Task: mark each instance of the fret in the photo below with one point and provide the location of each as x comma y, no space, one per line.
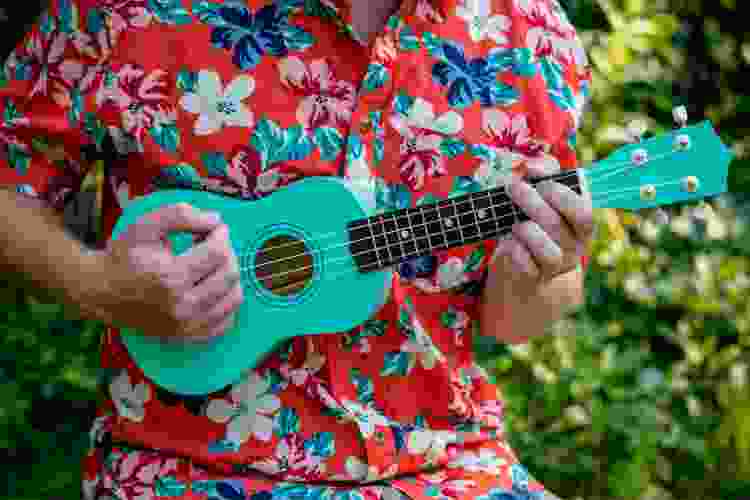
502,207
384,240
435,232
449,224
421,231
406,234
488,225
395,247
362,246
457,219
467,219
381,243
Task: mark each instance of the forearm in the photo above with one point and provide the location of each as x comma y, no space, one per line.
513,312
35,246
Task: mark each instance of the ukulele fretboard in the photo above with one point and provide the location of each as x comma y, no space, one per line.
387,239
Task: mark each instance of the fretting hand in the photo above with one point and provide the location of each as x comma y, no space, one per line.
556,237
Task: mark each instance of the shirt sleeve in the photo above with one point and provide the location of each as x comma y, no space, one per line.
43,87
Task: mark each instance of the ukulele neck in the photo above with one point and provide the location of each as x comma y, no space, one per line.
387,239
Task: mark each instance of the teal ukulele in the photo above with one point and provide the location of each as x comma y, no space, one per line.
328,268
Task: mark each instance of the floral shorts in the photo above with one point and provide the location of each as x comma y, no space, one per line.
131,474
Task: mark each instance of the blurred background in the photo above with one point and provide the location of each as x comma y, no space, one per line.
640,394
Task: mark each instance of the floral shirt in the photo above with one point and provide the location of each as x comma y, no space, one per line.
248,96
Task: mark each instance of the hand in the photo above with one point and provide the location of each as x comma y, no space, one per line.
190,296
556,237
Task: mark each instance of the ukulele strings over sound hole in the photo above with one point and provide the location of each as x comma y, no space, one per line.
284,265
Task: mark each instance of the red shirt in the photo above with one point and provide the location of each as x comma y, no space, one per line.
442,102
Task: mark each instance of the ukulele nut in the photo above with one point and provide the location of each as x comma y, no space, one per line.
690,184
648,193
682,142
639,157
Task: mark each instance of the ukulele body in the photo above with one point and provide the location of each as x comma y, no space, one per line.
298,235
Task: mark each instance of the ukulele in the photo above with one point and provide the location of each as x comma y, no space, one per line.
328,268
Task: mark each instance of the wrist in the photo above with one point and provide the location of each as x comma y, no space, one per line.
92,290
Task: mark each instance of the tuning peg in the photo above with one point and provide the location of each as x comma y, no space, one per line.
680,115
635,130
661,217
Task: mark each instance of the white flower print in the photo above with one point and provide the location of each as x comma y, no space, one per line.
550,33
420,344
481,23
129,399
422,134
325,101
485,461
248,410
217,107
451,274
365,417
361,471
429,443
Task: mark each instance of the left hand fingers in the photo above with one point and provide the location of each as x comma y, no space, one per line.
554,230
575,209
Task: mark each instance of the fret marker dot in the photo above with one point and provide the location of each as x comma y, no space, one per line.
404,234
448,223
482,213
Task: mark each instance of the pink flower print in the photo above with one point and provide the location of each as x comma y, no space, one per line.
325,100
133,474
422,134
140,97
50,72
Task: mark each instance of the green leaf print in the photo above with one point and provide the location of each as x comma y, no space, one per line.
286,422
276,144
434,45
330,142
448,317
166,135
408,40
397,363
169,11
169,486
364,386
321,444
187,81
18,158
474,260
452,147
180,175
376,77
215,163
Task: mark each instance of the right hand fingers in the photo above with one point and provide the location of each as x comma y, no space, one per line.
207,256
214,319
177,217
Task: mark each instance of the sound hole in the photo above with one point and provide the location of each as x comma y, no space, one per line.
284,265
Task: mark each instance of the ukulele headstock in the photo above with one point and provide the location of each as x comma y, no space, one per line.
688,163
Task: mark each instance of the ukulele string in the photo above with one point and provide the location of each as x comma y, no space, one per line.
619,192
384,234
603,172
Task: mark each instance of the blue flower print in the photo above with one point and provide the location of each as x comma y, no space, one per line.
471,80
252,35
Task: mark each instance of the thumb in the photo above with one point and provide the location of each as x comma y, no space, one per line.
180,217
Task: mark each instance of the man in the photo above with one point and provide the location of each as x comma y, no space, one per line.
413,101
